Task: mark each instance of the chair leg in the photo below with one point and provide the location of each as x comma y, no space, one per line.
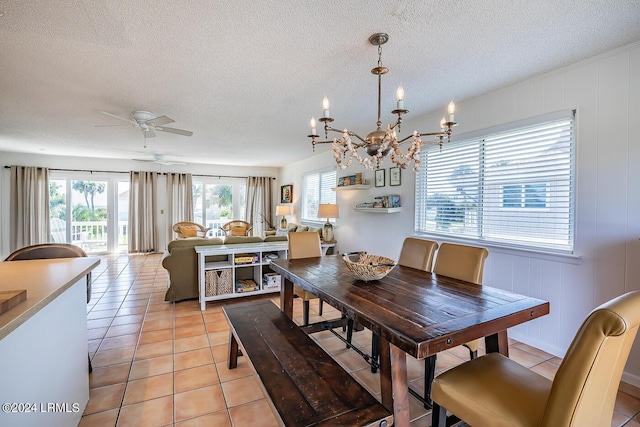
438,416
320,308
429,373
473,354
305,313
375,352
90,366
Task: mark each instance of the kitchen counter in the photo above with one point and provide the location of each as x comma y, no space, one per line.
43,342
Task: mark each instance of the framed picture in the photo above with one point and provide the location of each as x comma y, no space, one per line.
286,193
394,176
379,178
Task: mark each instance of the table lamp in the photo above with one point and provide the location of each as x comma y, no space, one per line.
327,211
283,210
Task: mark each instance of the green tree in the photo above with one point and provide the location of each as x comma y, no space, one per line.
57,202
89,189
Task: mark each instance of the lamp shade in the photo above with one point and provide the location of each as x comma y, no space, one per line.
328,211
283,210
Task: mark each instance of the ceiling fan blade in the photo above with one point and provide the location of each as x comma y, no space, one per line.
159,121
173,130
117,117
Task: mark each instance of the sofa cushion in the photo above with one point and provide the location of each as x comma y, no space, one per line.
232,240
282,232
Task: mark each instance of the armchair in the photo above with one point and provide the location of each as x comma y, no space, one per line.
186,229
237,227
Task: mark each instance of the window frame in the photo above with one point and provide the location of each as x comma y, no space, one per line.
516,241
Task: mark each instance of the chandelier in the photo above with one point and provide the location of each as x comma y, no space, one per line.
380,143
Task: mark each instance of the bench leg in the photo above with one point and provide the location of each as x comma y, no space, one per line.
233,352
438,416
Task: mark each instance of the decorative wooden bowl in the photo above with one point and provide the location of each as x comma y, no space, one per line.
368,267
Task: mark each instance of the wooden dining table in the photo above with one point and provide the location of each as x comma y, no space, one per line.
412,311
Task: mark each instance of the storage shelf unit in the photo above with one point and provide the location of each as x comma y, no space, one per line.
252,270
351,187
379,210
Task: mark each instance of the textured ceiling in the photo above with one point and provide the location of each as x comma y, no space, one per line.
246,77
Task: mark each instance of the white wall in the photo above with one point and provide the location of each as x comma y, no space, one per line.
58,162
606,93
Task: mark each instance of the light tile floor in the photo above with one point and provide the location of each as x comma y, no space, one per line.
164,364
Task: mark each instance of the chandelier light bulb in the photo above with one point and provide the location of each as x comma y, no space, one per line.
451,110
313,125
400,97
325,106
442,122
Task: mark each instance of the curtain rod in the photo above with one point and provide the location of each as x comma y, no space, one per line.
160,173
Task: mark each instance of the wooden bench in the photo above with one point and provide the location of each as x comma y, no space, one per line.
306,385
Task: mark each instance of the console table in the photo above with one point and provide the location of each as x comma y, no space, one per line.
235,268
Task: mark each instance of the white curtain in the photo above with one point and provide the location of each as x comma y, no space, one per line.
143,232
259,203
179,201
29,207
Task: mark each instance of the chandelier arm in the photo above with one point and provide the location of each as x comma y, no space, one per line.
350,133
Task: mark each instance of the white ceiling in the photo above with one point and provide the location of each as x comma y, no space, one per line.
246,77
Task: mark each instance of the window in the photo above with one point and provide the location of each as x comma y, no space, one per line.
509,186
524,196
316,189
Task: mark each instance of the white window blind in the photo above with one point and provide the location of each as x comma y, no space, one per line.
316,189
513,187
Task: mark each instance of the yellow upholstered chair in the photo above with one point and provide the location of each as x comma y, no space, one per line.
417,253
493,390
237,227
186,229
305,244
460,262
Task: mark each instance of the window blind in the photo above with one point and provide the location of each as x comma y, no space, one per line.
513,186
316,189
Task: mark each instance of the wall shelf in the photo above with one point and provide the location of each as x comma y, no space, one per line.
352,187
379,210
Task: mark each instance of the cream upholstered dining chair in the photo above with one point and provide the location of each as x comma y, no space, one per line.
51,251
415,253
494,390
186,229
460,262
305,244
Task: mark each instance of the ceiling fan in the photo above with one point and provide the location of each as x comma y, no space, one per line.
148,122
159,159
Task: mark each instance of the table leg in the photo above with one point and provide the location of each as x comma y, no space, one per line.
497,343
286,298
393,382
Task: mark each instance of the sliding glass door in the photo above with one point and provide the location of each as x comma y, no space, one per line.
89,211
217,201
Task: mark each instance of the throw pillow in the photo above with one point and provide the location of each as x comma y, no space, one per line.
238,230
282,232
302,228
188,231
